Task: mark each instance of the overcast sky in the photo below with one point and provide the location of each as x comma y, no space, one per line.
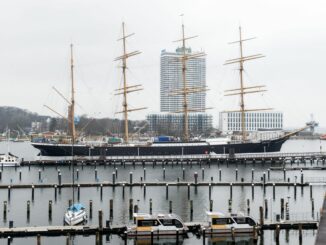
36,34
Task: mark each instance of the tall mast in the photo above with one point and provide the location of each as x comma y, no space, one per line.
244,90
126,89
185,102
124,67
242,105
185,90
72,103
72,121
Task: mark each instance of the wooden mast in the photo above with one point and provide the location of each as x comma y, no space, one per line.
185,102
72,103
185,88
126,89
244,90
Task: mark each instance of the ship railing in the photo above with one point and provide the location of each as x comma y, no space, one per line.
285,155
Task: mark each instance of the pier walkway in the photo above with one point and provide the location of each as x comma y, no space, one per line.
321,235
240,157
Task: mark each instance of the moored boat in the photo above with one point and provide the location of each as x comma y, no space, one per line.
9,160
75,215
158,225
233,224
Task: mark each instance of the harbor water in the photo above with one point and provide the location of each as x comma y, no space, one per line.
303,204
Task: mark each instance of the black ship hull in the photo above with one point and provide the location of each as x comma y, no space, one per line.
57,150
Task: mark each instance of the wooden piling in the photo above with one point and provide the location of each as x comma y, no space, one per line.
111,208
90,209
261,216
38,239
170,207
231,190
230,205
28,209
188,187
300,233
55,192
273,191
150,206
252,175
248,206
50,210
277,234
130,178
100,219
32,193
4,211
9,192
282,208
131,206
167,191
220,174
266,208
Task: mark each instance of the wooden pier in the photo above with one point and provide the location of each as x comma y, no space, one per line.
271,157
194,227
321,234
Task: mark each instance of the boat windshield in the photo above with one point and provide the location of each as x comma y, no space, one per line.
171,222
244,220
147,222
222,221
76,207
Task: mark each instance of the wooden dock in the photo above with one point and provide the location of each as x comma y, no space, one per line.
321,234
152,184
272,157
194,227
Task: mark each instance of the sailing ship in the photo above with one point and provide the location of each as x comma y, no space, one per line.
76,213
186,146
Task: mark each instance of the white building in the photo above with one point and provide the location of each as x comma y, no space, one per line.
171,80
254,121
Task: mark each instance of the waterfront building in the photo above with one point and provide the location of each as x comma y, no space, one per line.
171,80
168,121
171,123
254,121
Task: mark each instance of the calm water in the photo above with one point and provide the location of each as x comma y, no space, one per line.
300,205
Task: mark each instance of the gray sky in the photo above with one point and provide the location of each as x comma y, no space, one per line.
35,38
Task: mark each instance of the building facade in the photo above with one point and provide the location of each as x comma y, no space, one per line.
258,120
171,80
172,123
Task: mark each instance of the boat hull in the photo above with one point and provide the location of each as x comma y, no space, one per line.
75,218
57,150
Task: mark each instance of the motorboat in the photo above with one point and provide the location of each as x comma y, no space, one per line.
219,223
9,160
158,225
75,215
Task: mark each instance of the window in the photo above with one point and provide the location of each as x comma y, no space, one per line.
245,220
222,221
149,222
171,222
